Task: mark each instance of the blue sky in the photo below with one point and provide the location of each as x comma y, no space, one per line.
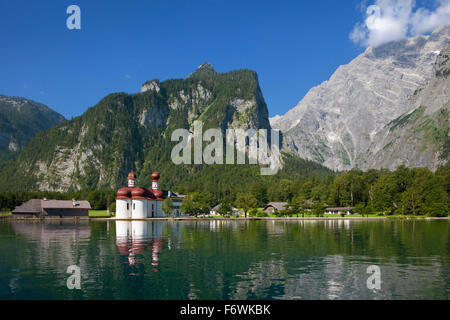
293,46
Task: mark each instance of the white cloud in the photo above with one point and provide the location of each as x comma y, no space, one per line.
391,20
127,76
425,21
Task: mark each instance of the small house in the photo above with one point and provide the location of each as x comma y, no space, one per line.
215,210
52,208
279,206
177,200
339,210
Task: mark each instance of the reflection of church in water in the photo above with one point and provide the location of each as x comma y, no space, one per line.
133,238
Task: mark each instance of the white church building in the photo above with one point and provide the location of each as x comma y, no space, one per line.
133,202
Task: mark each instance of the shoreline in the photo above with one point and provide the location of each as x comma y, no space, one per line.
11,218
272,219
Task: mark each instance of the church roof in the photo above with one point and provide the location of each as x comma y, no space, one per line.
140,193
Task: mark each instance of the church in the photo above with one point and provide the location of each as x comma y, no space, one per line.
133,202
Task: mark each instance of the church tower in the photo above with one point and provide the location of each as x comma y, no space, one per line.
132,179
155,178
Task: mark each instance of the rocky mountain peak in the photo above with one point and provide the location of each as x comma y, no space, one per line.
337,122
204,70
205,66
151,85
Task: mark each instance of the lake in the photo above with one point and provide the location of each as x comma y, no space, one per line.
223,259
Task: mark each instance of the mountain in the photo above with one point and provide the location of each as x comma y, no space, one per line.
132,131
339,123
20,120
420,137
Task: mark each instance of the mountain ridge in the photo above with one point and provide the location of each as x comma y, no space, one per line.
132,131
20,120
420,137
336,122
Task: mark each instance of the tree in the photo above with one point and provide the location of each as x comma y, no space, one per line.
364,210
262,214
259,191
319,192
318,209
97,200
112,208
443,173
245,201
187,206
286,188
369,210
436,210
411,201
225,208
167,206
306,189
425,190
383,192
300,205
349,189
253,212
403,178
293,207
202,202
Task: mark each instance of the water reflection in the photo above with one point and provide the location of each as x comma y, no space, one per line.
62,231
133,238
51,237
223,259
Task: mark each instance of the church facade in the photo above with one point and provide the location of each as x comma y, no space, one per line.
133,202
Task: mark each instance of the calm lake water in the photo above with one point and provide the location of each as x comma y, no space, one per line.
225,259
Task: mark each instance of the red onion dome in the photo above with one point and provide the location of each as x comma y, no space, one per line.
132,175
123,192
137,192
158,193
155,175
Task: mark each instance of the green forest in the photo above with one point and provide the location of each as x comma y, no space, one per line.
405,191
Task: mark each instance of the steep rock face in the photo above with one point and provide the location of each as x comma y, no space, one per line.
20,120
151,85
420,137
237,101
132,131
337,122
